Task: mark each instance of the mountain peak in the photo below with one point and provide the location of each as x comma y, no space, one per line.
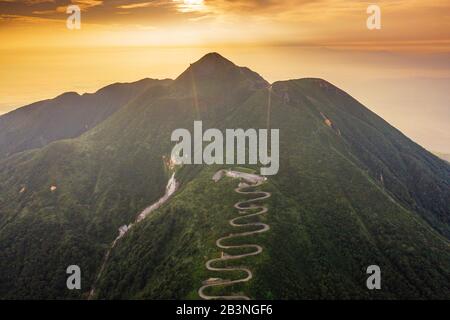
214,58
209,64
214,66
69,94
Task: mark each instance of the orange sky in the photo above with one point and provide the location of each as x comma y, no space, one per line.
402,71
406,23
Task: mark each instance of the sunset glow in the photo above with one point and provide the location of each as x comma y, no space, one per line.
190,5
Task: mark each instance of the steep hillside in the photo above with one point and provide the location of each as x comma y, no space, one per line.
414,176
331,215
318,247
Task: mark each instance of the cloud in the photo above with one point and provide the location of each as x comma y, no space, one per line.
85,4
23,19
137,5
329,22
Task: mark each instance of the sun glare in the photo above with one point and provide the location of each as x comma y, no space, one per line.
190,5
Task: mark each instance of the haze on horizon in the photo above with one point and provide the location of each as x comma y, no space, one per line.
401,72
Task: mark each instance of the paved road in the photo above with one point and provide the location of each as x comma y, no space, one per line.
243,207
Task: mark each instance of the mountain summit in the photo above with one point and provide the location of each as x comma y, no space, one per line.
214,67
214,86
214,59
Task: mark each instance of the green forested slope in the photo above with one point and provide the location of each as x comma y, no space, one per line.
352,191
317,248
103,179
330,216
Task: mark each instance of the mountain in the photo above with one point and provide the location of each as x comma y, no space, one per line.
443,156
352,191
66,116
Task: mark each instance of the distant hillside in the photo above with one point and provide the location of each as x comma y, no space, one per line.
66,116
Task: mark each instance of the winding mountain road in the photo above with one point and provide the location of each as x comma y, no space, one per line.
243,207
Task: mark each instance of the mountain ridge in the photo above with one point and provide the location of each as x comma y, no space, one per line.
66,116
